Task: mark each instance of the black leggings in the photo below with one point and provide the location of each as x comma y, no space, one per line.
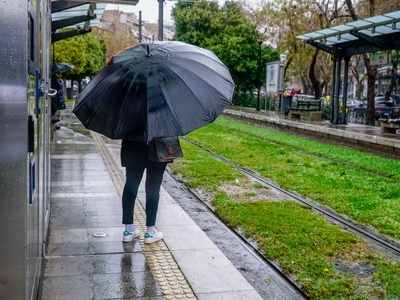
154,176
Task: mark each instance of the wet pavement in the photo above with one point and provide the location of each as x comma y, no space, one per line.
84,254
85,258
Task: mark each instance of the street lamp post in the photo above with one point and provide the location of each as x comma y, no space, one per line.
140,26
259,75
160,20
281,79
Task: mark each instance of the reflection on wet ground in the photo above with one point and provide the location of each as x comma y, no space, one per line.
85,256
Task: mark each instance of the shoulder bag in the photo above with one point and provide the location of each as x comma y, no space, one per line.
165,149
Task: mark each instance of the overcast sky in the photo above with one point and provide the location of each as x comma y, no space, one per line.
149,9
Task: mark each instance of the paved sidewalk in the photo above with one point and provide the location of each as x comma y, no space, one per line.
85,257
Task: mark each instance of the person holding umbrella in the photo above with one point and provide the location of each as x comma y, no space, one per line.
135,158
147,92
57,101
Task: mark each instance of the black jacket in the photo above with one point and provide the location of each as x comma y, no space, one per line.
134,154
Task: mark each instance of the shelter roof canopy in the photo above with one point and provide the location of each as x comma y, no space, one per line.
378,33
79,14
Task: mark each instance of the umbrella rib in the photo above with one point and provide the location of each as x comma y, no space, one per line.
199,77
164,88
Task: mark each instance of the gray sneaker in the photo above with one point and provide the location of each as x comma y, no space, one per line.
148,239
129,236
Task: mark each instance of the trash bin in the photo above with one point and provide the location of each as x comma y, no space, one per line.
286,104
69,93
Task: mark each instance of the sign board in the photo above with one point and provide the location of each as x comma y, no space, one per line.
272,78
379,58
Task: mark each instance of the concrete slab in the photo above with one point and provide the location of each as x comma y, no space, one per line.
209,271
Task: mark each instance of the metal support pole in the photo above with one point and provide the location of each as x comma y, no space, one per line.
394,75
345,80
337,91
160,19
259,76
140,26
332,92
281,79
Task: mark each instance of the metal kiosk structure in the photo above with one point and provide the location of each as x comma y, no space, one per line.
378,33
28,27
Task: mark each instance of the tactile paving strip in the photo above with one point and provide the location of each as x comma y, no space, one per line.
169,277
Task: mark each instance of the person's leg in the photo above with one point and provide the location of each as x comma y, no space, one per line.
154,177
133,178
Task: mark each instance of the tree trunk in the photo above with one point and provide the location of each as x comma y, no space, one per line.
313,77
371,102
392,80
371,72
360,88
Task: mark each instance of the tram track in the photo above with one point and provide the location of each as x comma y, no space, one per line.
278,277
386,176
251,249
248,245
331,215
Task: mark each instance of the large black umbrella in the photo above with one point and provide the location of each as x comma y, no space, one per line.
59,68
155,89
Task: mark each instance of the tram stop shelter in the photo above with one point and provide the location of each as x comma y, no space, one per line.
378,33
81,14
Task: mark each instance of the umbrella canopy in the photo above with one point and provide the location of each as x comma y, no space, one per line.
59,68
155,89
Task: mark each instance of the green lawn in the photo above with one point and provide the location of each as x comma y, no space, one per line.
321,256
331,175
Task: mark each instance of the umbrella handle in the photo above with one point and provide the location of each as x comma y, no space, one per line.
51,92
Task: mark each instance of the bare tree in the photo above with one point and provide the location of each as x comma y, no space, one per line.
354,67
371,70
285,19
365,9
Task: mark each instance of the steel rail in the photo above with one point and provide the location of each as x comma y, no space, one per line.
118,180
390,245
242,240
260,138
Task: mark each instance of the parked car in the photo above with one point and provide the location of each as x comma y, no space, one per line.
355,103
291,91
303,97
382,99
382,109
396,99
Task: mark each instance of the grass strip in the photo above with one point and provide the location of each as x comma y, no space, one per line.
365,197
326,261
367,161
